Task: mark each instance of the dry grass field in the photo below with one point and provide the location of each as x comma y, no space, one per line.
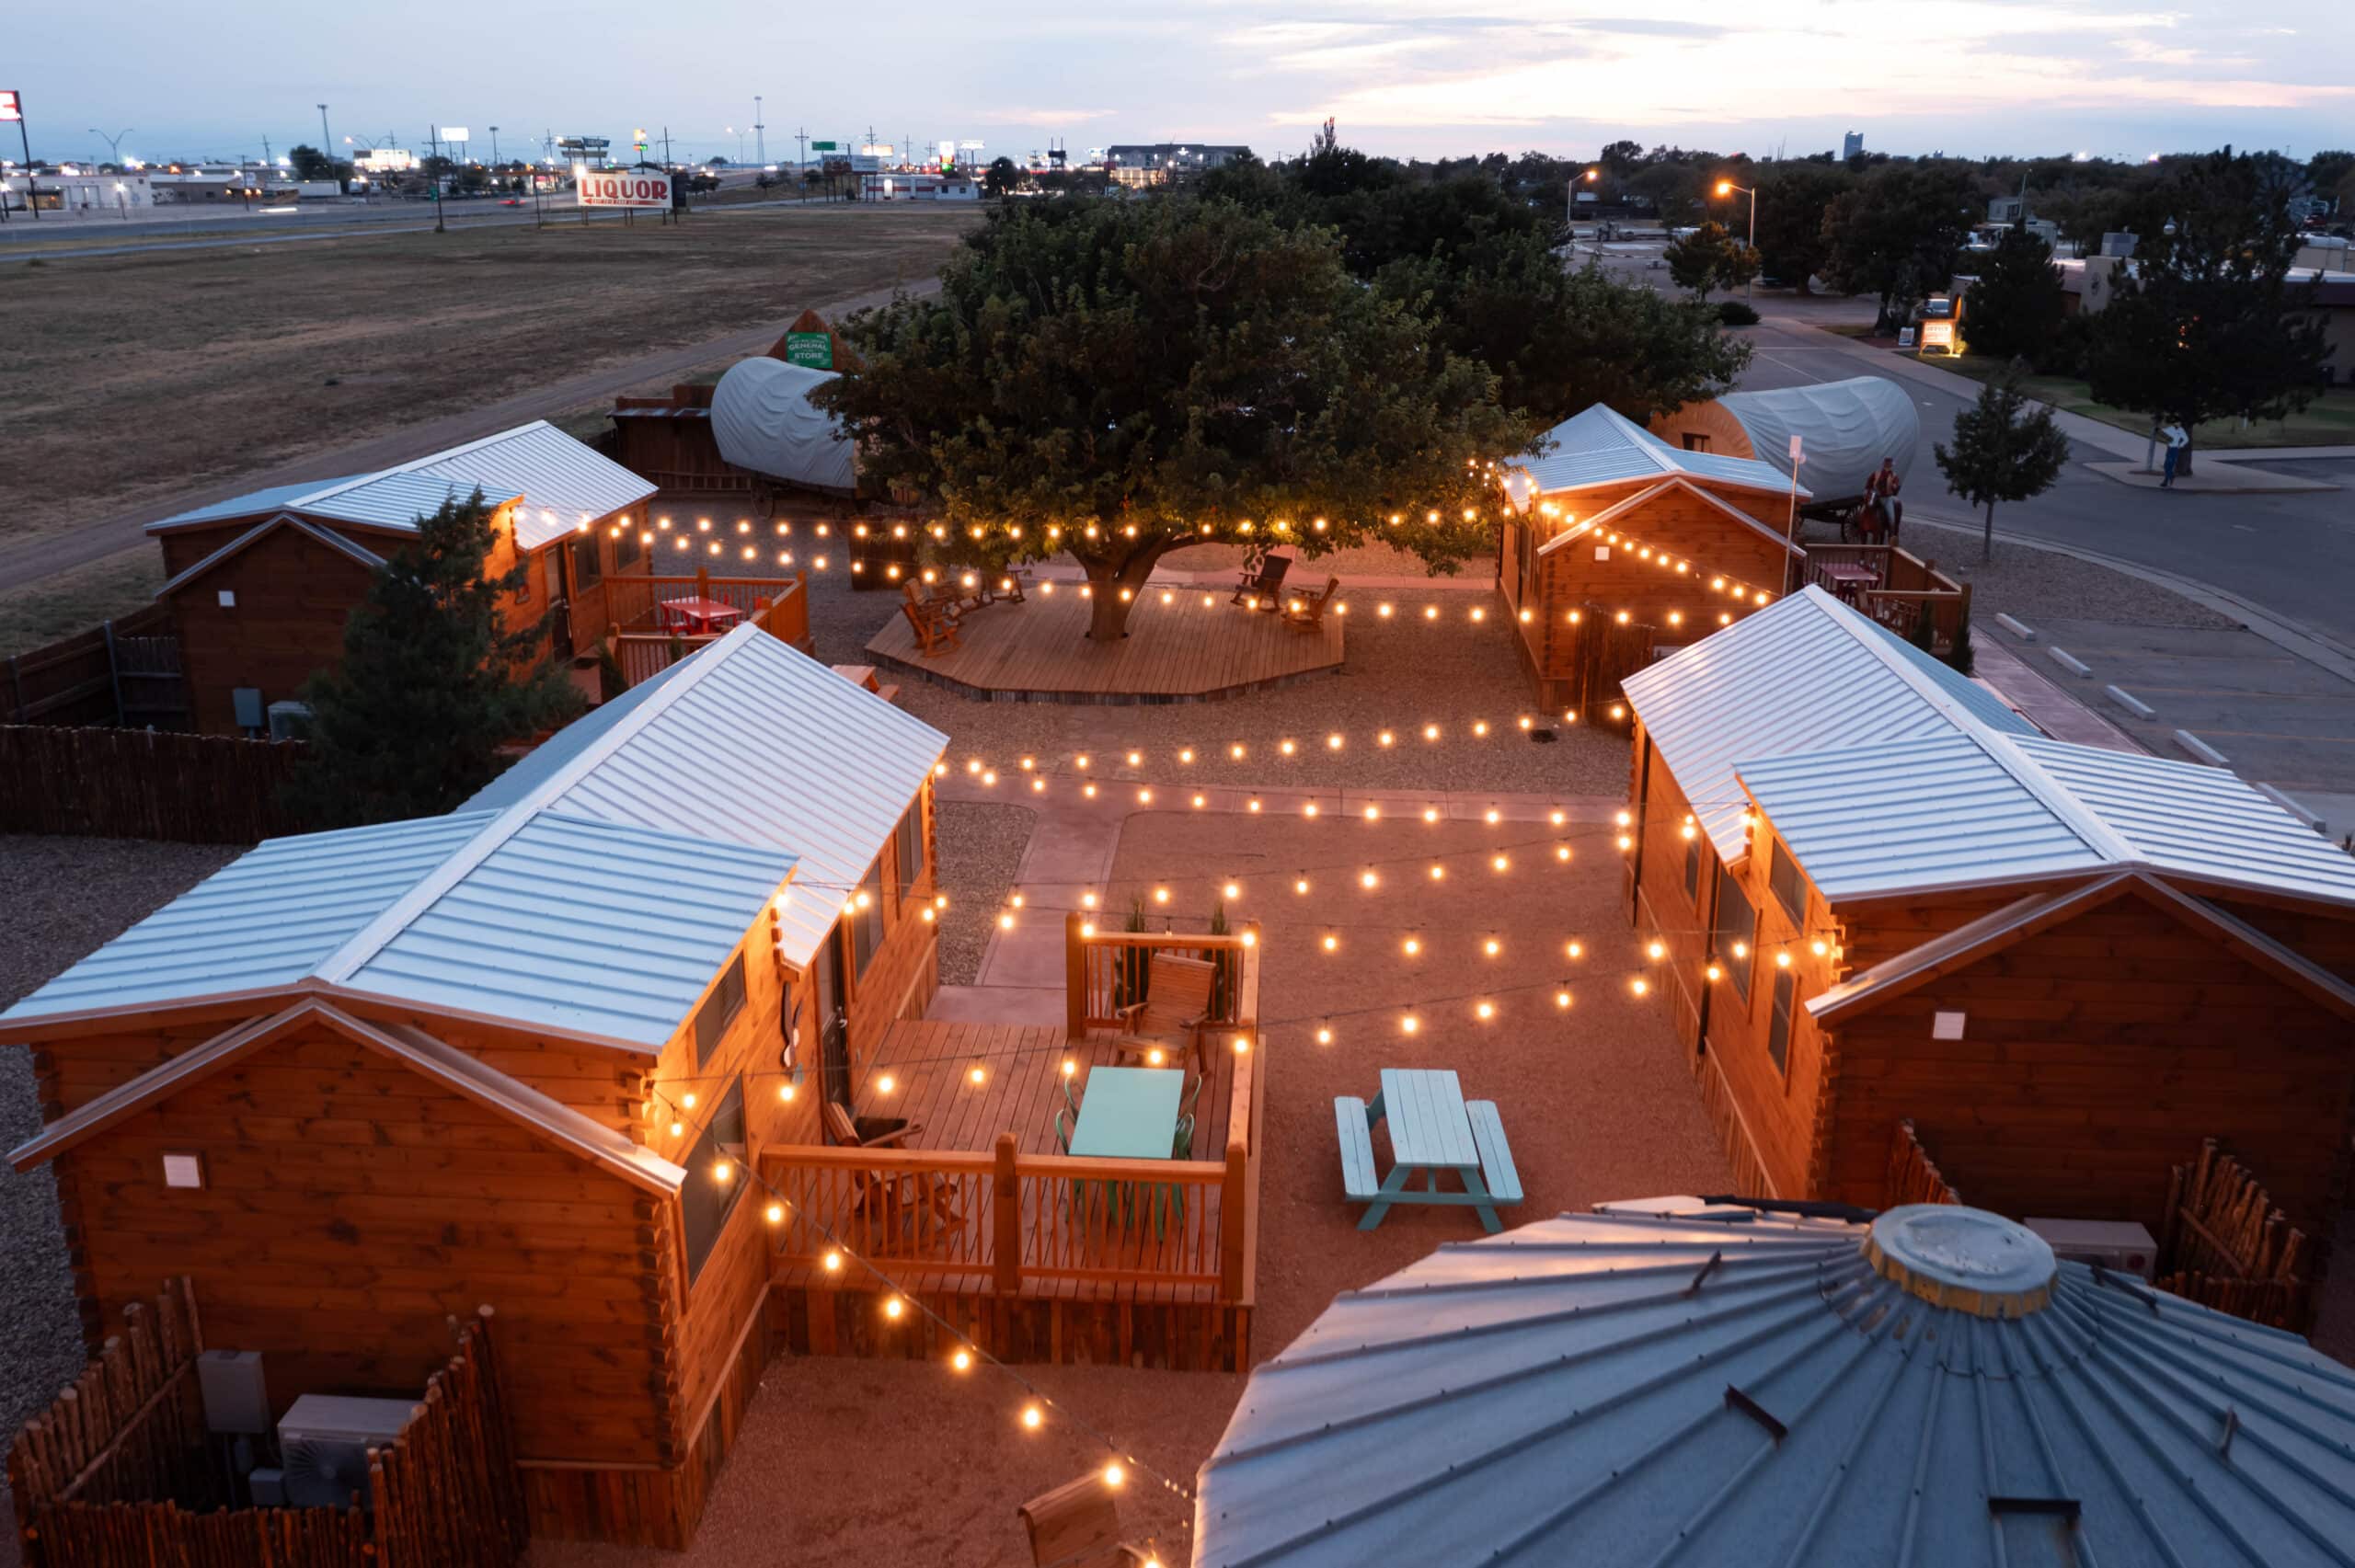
132,379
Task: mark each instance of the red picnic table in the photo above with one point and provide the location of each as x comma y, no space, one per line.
695,617
1847,578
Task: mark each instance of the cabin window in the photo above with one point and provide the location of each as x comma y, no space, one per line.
715,1179
627,546
1693,868
910,841
720,1009
1737,931
1696,441
1789,886
867,921
1778,1033
588,568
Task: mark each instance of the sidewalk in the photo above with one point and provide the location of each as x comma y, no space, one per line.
2231,477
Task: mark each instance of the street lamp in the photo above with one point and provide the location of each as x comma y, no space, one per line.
114,143
1727,188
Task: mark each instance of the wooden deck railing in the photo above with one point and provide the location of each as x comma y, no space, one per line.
1910,589
779,606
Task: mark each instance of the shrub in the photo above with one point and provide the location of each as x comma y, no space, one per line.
1736,313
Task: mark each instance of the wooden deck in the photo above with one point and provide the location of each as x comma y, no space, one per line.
1175,652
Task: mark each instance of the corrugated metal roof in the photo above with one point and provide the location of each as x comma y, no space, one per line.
1933,812
2200,821
561,482
1806,674
751,742
1599,447
585,927
266,919
1590,1389
269,498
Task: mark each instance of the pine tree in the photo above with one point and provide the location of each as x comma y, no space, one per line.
432,683
2013,310
2005,450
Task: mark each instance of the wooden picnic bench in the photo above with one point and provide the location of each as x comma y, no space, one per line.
1432,1128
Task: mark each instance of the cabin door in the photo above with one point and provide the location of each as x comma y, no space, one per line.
833,1027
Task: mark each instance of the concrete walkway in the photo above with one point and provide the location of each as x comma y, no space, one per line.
1074,842
2213,479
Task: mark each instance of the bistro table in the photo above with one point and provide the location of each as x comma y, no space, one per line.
1129,1112
696,617
1846,579
1431,1131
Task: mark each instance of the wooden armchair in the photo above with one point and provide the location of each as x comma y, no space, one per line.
1078,1526
1260,588
1174,1013
1304,609
892,1200
934,621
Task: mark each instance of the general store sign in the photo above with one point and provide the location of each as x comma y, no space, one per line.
623,188
815,349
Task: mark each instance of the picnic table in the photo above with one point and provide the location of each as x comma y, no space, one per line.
698,617
1432,1128
1847,578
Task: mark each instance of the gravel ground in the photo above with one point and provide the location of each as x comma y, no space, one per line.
63,897
2026,583
980,848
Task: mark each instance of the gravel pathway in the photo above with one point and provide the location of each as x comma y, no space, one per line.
63,897
981,847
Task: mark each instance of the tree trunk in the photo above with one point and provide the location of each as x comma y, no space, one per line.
1107,612
1987,545
2183,459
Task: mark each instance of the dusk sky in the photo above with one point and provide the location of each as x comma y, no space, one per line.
1964,76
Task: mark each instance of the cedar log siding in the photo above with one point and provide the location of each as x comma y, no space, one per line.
1679,522
349,1205
2095,1055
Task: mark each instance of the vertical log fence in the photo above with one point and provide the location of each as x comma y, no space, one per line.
2223,1244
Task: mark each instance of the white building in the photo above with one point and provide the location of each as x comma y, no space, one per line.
82,192
918,188
385,160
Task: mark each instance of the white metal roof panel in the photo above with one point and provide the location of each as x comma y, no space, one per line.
586,927
1806,674
265,918
1600,447
253,503
751,742
1936,811
1560,1393
2200,821
561,482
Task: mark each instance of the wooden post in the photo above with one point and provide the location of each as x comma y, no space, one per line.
1075,980
703,582
1005,1238
1232,1228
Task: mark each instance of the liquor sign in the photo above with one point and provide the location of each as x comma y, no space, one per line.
12,107
813,350
623,188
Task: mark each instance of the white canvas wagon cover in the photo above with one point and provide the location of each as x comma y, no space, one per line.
764,420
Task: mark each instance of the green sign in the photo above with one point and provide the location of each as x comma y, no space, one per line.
825,146
814,349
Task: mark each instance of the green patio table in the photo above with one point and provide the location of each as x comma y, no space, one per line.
1129,1112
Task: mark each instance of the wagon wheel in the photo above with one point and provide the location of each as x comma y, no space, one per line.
763,499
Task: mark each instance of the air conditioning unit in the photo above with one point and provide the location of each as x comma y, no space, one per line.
323,1443
289,721
2118,1245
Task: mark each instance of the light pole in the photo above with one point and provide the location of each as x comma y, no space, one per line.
1726,188
760,135
114,143
494,146
327,137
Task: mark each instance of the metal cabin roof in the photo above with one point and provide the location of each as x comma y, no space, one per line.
588,927
1605,1390
253,502
1600,447
561,482
266,919
2198,821
1806,674
1933,812
754,742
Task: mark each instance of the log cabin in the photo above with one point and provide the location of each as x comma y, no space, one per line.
259,586
521,1055
1874,892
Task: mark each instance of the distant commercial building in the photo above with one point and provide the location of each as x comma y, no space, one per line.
1851,144
1158,163
879,187
385,160
2089,284
77,193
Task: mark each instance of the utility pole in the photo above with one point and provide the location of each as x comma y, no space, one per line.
494,146
265,152
326,140
433,176
801,136
760,134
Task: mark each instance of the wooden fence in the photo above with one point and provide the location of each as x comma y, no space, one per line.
125,672
643,650
1597,653
1913,1176
1910,589
117,1473
2223,1244
140,783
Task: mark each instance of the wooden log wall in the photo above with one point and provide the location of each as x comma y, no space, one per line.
1913,1176
2224,1245
86,1475
137,783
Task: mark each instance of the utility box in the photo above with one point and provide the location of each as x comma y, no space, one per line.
236,1399
2118,1245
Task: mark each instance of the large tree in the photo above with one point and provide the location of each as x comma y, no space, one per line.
432,682
2006,447
2012,309
1116,379
1792,199
1895,235
2206,323
1710,257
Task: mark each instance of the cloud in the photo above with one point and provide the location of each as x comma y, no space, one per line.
1018,115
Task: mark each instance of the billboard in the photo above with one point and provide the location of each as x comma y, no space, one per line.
621,188
11,105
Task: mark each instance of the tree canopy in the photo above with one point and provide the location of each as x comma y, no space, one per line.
1119,379
2012,309
2006,447
1895,234
2206,323
1710,257
431,684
